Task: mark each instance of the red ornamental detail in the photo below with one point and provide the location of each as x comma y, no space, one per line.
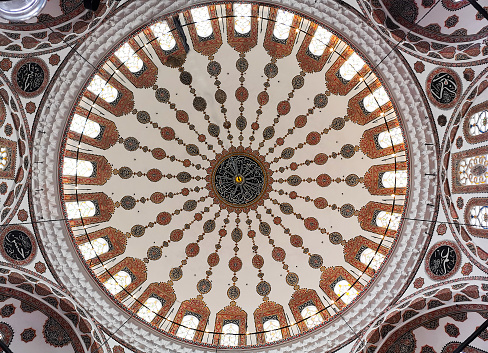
311,223
300,121
263,98
186,163
296,241
213,259
254,126
293,166
283,107
251,234
182,116
163,218
192,249
324,180
280,141
185,191
235,264
157,197
242,94
321,159
278,254
176,235
320,203
313,138
257,261
154,175
158,153
167,133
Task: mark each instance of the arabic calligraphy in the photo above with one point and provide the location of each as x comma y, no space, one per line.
30,77
443,260
17,245
444,88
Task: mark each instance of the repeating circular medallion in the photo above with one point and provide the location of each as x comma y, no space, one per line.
30,77
18,245
444,88
443,260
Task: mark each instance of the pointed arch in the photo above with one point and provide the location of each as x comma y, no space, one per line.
301,299
204,30
161,292
102,170
390,132
167,42
279,48
369,218
231,314
387,179
356,109
354,248
104,208
269,310
333,276
336,83
196,308
135,268
308,61
239,41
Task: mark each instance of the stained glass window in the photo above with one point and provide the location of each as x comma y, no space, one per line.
284,19
95,248
370,255
201,17
242,20
129,57
376,99
103,89
229,337
319,41
118,282
78,167
3,158
80,209
473,170
272,330
478,123
344,288
351,67
395,179
188,332
312,316
390,138
478,217
162,31
388,220
150,308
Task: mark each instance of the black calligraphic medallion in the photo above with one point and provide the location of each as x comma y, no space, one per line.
442,260
239,180
444,88
30,77
17,245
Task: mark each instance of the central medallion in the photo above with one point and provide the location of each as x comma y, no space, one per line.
239,179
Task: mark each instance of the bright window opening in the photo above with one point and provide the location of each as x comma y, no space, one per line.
312,316
376,99
77,167
84,126
163,33
80,209
282,28
118,282
201,17
478,123
230,335
473,170
95,248
103,89
392,179
388,220
369,255
390,138
272,330
129,57
242,18
478,217
3,158
150,308
188,332
344,290
351,67
319,41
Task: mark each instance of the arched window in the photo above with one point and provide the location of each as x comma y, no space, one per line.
390,138
188,326
149,309
344,290
351,67
80,209
388,220
242,18
478,123
163,33
84,126
118,282
284,19
395,179
312,316
473,170
103,89
78,167
230,335
94,248
272,330
3,158
368,255
375,99
319,41
478,217
129,57
201,17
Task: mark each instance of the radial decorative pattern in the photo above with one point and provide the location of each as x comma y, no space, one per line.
234,180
